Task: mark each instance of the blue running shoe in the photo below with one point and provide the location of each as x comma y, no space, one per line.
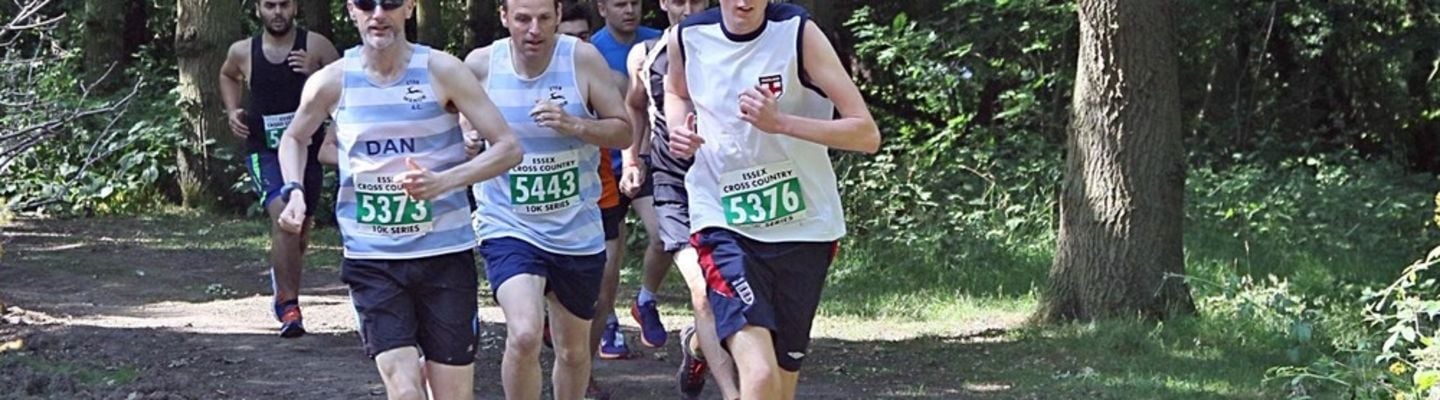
652,331
612,342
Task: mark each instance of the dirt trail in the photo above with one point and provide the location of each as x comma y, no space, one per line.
144,309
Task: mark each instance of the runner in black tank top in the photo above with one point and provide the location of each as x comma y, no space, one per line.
275,90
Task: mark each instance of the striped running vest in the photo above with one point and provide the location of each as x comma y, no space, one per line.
377,128
549,200
767,187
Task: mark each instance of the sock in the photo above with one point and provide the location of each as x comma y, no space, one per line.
645,296
280,307
612,320
694,347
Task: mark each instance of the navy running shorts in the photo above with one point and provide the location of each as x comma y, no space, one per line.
427,302
575,280
775,286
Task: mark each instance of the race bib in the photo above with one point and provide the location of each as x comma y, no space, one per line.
766,195
275,127
546,183
382,208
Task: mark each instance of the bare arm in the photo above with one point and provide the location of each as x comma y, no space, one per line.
325,52
456,85
317,100
329,154
637,102
683,141
232,86
855,130
611,128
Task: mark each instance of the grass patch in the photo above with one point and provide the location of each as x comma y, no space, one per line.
83,373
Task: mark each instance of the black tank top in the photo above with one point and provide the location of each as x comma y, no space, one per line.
274,96
672,169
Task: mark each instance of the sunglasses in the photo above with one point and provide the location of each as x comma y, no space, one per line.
369,5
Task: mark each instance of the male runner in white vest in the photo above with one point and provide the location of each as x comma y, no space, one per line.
763,84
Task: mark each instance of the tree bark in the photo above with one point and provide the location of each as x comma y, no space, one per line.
317,17
428,23
137,25
104,41
481,22
1121,209
210,160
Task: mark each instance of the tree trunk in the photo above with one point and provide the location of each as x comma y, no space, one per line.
210,161
1121,211
430,27
481,22
137,25
316,14
104,41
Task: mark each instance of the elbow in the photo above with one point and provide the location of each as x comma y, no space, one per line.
871,142
513,155
623,138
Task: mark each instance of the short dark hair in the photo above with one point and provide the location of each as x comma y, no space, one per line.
506,3
576,11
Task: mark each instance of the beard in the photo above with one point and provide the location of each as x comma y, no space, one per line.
282,30
379,42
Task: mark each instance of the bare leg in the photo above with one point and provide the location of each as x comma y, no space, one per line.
287,255
400,370
522,300
451,382
572,357
609,284
755,360
721,366
657,262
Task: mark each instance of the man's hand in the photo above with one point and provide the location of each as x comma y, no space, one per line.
547,114
300,62
757,106
474,143
632,176
237,123
292,219
684,142
420,183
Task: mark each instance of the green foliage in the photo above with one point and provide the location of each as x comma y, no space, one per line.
953,161
95,166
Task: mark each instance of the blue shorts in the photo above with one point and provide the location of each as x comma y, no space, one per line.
775,286
427,303
575,280
264,168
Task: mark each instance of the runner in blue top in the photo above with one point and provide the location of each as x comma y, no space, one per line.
402,207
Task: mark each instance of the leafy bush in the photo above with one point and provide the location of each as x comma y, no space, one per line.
99,167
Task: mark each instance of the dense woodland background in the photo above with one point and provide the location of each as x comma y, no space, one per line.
1306,133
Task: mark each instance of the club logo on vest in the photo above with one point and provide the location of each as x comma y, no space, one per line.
413,94
775,83
557,96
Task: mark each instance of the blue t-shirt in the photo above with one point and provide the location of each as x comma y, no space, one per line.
615,54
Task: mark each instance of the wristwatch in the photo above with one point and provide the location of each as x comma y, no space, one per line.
290,187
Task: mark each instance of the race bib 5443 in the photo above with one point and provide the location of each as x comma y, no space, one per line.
546,183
